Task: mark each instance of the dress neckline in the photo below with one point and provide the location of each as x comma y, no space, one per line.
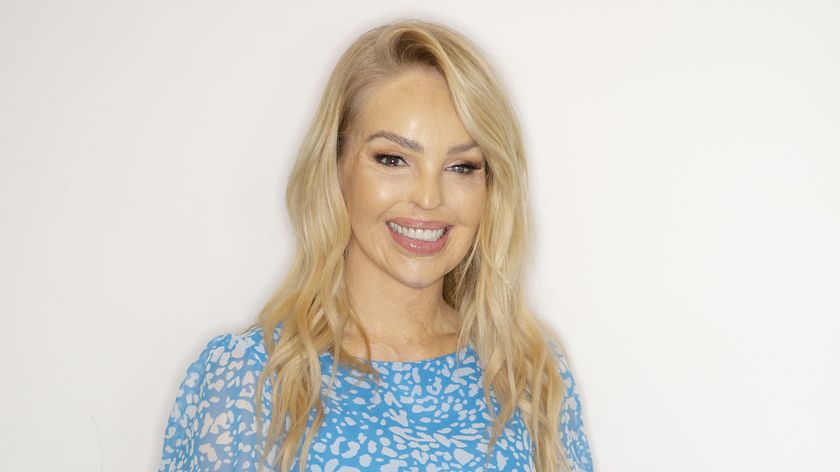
421,362
431,360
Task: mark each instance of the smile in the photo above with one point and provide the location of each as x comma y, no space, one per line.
426,238
429,235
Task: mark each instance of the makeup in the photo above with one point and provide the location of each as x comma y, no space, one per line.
422,238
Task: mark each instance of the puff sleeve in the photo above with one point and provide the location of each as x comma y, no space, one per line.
212,424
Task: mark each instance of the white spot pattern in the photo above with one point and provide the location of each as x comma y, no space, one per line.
428,415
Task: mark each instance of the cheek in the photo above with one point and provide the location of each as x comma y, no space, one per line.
374,193
470,204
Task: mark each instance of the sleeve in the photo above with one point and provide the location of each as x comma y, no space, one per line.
212,424
572,432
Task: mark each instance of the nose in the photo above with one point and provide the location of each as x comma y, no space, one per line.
427,192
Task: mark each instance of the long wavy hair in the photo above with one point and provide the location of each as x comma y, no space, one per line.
486,287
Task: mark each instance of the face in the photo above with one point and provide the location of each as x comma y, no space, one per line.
413,181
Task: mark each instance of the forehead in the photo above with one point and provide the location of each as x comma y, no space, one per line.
414,102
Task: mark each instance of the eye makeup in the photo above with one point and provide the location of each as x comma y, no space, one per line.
393,160
469,167
389,160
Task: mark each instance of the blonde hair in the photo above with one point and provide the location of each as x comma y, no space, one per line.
487,287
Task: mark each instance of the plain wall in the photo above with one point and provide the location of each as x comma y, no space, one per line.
684,162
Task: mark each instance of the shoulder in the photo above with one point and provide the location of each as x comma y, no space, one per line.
227,363
233,351
573,433
226,360
212,420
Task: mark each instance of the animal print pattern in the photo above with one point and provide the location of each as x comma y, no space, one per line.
428,415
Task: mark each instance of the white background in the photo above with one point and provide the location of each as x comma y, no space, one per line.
684,158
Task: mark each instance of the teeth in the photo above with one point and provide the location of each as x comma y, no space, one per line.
419,234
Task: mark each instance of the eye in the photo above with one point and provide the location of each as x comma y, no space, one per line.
466,168
389,160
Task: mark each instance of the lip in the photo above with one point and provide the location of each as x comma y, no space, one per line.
418,224
415,246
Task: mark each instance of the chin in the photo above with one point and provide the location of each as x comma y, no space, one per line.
418,281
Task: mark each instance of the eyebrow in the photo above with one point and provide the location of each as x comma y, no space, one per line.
414,145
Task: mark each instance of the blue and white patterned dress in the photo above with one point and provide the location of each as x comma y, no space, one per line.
428,415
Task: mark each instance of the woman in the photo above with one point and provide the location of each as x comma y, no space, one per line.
400,339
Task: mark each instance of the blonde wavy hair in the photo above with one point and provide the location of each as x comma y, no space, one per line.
486,288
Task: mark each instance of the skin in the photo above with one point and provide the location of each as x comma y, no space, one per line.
397,294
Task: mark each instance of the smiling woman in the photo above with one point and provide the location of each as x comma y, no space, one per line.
400,339
414,185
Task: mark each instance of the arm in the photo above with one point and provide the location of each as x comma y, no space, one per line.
212,423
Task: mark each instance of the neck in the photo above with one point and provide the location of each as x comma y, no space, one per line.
392,313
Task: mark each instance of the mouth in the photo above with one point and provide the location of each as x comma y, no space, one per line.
420,234
419,237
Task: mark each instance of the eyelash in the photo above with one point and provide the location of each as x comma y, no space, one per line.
468,167
382,157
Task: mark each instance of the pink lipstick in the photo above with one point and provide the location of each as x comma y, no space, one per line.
421,237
